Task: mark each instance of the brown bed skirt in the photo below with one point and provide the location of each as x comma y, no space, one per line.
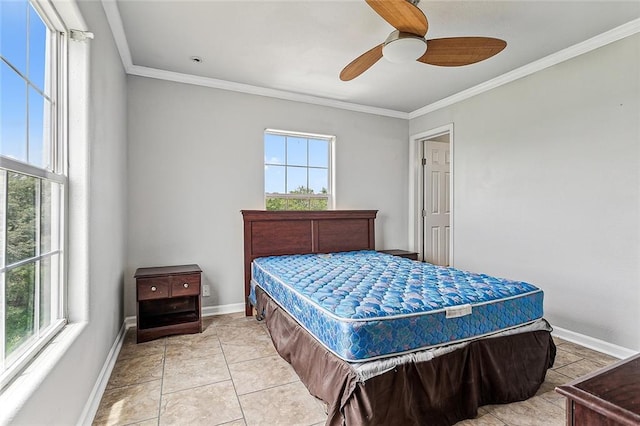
441,391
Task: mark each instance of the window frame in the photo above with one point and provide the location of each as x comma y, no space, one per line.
330,195
55,172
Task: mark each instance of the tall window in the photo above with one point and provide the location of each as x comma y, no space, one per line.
32,185
297,171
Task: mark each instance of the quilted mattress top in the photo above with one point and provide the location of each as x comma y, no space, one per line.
366,285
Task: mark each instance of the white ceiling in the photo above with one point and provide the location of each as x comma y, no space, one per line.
300,46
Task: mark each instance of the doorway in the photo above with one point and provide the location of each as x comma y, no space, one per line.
436,200
432,203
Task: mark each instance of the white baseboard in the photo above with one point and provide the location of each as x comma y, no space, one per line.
93,402
130,322
208,311
593,343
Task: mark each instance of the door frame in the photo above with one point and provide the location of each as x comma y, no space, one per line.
416,189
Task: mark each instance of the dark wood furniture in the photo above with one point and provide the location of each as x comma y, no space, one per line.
168,301
401,253
269,233
449,387
608,397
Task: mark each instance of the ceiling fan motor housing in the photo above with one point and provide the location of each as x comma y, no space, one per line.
401,47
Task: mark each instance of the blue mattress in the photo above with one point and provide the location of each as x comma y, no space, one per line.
367,305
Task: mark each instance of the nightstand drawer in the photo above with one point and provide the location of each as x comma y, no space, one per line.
185,285
153,288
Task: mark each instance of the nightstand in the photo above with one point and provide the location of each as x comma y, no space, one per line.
168,301
401,253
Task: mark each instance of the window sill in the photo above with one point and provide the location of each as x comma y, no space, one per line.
15,395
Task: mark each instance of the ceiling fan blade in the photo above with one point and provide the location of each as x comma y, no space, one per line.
402,15
458,51
361,63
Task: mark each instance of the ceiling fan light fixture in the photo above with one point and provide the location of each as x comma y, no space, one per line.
403,47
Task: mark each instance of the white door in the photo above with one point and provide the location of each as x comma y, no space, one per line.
437,197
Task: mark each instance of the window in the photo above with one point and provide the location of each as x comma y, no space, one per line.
297,171
32,184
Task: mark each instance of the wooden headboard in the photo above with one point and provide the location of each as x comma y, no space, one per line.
269,233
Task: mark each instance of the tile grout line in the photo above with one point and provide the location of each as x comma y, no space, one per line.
197,386
139,421
164,360
226,363
270,387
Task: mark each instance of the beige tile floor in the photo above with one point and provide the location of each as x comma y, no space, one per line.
231,375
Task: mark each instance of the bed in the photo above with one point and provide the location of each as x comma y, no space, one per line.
377,367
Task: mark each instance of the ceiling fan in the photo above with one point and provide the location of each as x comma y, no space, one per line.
407,43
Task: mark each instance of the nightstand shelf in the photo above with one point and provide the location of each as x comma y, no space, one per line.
166,319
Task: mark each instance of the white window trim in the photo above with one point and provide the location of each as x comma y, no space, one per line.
331,186
65,14
29,349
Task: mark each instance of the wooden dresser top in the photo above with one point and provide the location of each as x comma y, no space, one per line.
613,391
167,270
620,385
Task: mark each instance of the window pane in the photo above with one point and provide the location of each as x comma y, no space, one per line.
297,180
37,49
48,278
19,306
31,208
299,176
298,204
318,153
39,130
276,204
13,113
3,180
318,181
13,33
319,204
274,179
48,190
273,149
21,217
296,151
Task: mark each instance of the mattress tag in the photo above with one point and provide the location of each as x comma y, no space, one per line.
458,311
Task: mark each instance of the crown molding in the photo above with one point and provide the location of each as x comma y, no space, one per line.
260,91
618,33
115,23
117,29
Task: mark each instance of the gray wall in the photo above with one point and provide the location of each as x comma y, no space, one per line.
547,188
98,228
196,158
